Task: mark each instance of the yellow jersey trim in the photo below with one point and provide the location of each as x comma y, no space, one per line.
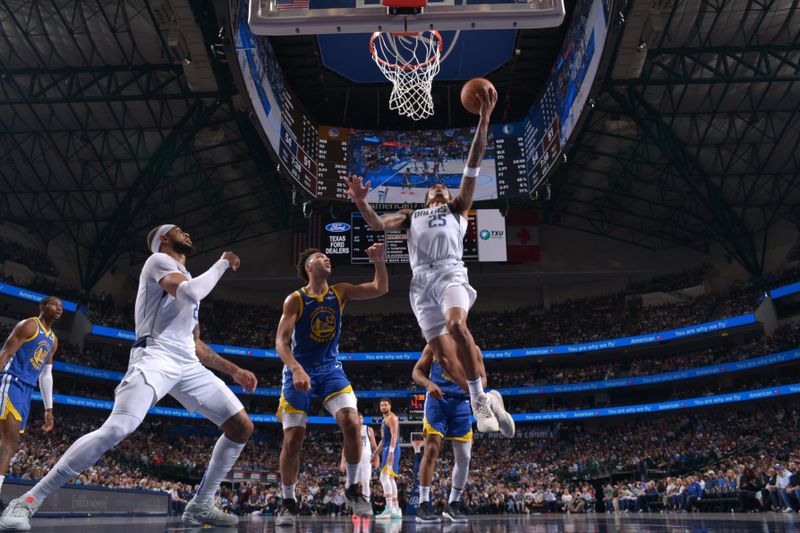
465,438
46,332
427,429
339,299
10,410
285,407
320,299
388,470
302,305
345,390
38,325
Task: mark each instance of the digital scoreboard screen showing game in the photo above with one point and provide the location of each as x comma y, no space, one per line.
402,164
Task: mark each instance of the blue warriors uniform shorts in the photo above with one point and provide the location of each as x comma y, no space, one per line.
16,399
450,418
394,467
328,383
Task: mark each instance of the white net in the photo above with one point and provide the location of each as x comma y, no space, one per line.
410,61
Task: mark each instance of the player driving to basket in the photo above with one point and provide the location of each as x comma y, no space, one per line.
440,294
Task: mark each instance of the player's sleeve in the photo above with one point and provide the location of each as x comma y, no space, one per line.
158,266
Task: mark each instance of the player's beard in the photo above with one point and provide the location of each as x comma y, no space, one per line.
182,248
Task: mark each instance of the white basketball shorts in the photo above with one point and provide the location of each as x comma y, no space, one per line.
428,286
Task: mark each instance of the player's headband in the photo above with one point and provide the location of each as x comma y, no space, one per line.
155,244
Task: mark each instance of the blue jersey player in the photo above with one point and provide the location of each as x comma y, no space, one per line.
447,416
307,342
389,450
26,357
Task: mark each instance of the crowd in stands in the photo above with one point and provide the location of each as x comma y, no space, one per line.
691,277
33,258
655,362
572,321
713,460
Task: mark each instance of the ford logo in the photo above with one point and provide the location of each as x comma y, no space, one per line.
337,227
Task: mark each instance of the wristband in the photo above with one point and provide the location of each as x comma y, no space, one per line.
471,172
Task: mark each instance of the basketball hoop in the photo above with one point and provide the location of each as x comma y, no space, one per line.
409,60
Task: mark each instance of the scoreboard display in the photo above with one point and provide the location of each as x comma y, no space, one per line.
396,242
510,161
416,406
332,163
319,159
298,148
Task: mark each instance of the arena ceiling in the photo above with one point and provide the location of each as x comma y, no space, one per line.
694,137
119,115
115,116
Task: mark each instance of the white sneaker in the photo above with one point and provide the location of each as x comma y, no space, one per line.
504,419
482,410
199,514
17,514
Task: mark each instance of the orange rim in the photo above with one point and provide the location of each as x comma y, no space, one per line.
385,63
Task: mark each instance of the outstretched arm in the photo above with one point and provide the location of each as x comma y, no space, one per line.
463,200
211,359
358,191
375,288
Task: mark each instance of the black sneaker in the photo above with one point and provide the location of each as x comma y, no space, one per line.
287,514
356,500
453,513
425,514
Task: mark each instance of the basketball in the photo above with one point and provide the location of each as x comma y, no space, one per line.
469,98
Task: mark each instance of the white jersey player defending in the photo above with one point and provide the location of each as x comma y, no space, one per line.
441,295
168,357
368,444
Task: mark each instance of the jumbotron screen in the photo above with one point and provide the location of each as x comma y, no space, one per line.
347,242
401,165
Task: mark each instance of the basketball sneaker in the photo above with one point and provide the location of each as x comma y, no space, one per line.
199,514
386,514
425,514
453,513
484,415
17,515
356,500
505,421
397,514
287,513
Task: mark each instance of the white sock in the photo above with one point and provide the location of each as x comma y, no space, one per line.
2,478
475,388
288,492
222,459
352,475
455,494
425,494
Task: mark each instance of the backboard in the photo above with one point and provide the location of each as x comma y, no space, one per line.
321,17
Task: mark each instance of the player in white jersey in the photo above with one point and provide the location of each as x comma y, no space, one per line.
168,357
368,444
441,295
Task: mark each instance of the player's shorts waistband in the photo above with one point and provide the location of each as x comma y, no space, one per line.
436,265
316,366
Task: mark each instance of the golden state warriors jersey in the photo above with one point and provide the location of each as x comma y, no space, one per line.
28,362
315,339
444,382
